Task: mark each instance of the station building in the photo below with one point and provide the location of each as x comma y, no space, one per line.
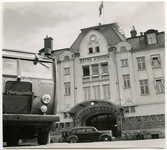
112,82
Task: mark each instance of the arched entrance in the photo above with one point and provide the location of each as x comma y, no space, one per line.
103,122
103,115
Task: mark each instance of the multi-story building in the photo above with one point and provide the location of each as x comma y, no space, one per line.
112,82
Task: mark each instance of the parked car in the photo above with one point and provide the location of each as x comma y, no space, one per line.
85,133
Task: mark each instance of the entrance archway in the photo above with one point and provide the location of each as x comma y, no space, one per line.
103,121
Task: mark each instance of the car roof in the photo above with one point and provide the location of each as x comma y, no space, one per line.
85,127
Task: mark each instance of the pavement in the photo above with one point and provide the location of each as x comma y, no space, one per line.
139,144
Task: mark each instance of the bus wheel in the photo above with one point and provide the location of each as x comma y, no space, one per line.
43,138
12,142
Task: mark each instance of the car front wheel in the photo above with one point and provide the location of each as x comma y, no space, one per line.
73,140
106,138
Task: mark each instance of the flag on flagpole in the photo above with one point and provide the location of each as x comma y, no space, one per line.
100,8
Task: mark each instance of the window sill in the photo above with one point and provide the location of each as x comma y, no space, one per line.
95,76
141,69
93,53
161,93
124,66
127,87
156,67
85,77
67,94
66,74
104,74
144,94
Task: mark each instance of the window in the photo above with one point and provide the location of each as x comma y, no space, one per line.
138,119
67,124
66,58
96,92
126,109
155,61
97,49
66,71
159,85
90,50
61,125
132,109
106,90
65,115
129,109
124,62
104,68
67,88
132,119
141,63
86,71
151,38
126,81
144,87
87,93
95,69
145,118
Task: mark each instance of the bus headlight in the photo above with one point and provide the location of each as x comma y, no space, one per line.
46,98
44,108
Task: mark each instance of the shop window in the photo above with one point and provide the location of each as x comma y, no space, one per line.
86,71
159,85
151,38
155,61
126,109
144,87
67,88
138,119
95,69
131,119
87,93
126,81
129,109
104,68
124,62
141,63
66,71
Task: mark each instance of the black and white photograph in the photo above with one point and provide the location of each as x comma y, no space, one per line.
83,74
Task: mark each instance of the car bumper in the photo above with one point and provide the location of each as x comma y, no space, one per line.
30,117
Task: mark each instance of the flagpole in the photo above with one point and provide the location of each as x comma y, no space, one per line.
103,14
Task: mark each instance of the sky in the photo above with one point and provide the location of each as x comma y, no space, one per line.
26,24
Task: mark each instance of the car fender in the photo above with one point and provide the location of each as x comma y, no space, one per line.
101,136
71,137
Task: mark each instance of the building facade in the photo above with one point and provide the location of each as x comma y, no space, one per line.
112,82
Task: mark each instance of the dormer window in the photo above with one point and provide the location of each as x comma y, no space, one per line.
151,38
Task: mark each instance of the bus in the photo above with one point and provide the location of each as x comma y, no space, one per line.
29,96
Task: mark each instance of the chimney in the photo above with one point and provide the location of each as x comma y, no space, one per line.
48,42
133,32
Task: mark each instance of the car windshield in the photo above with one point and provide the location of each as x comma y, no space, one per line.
28,69
9,66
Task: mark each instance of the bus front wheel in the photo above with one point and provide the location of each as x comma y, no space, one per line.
43,138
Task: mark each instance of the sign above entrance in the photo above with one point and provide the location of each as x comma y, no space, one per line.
94,59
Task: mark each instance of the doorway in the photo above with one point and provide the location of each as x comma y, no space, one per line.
103,122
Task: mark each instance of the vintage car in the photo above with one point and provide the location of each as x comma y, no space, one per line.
85,133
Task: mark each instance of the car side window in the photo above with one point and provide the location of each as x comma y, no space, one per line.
73,131
89,130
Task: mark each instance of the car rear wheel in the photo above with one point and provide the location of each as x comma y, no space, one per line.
106,138
73,140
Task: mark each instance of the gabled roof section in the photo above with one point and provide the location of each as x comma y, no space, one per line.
58,52
110,32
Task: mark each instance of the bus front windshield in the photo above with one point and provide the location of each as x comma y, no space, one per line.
28,69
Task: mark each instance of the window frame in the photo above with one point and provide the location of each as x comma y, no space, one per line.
87,93
151,38
144,85
124,62
106,91
155,63
96,91
126,80
67,71
161,88
141,63
67,87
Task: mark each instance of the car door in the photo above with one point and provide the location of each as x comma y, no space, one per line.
92,134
